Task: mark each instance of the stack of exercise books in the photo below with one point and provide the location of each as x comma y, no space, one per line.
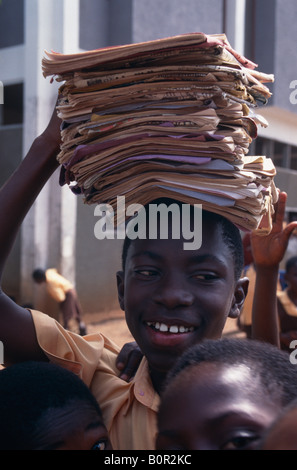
172,118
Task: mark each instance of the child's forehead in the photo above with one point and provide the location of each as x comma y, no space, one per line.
208,227
212,374
212,244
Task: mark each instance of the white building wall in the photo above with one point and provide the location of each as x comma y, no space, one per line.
48,232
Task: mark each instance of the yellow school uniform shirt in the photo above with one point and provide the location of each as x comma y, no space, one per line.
57,286
129,409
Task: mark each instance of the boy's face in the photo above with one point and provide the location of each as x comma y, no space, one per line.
174,298
214,407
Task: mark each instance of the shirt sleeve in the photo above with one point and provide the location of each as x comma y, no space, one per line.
78,354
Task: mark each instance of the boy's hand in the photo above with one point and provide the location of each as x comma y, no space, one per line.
52,133
128,360
269,250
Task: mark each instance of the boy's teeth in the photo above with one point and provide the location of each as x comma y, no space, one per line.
172,329
163,327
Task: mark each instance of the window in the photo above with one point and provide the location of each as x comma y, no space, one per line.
11,23
282,154
11,112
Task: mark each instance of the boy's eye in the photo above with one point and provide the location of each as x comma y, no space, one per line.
146,272
205,276
242,442
100,445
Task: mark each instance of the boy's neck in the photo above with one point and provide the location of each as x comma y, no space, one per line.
157,379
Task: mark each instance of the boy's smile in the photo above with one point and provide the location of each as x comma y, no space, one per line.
174,298
169,335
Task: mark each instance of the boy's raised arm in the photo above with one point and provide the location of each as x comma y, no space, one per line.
17,331
268,251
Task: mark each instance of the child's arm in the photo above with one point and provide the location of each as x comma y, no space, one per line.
268,251
17,331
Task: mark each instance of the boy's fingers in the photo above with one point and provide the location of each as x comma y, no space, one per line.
132,365
289,230
128,360
123,356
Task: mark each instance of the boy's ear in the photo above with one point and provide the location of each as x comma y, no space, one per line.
121,289
240,294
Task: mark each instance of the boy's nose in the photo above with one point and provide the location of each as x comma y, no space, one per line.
173,293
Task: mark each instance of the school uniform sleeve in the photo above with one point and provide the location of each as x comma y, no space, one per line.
71,351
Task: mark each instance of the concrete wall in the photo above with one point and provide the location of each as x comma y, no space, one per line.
285,53
10,156
104,23
11,136
96,264
153,20
275,46
11,23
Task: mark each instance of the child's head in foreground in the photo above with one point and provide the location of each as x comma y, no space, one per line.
46,407
175,297
223,395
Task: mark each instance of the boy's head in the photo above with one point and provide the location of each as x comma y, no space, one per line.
39,275
174,298
223,394
46,407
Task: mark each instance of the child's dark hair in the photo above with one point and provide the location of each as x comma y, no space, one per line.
277,375
291,262
27,391
230,233
39,275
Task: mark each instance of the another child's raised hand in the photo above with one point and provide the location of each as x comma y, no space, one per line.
269,250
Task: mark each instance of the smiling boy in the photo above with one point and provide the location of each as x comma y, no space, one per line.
174,298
